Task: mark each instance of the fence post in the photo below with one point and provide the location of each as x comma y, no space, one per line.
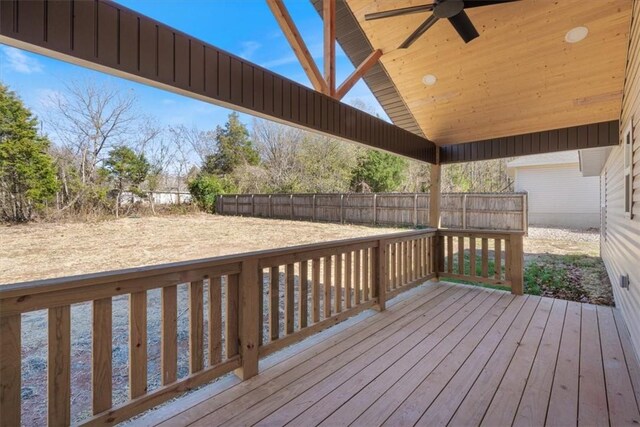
249,319
270,213
375,207
221,204
253,207
237,212
380,274
415,210
516,259
313,212
291,202
464,212
341,208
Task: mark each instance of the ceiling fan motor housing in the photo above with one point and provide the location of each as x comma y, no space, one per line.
448,8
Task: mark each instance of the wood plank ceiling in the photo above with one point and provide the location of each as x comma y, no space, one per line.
519,76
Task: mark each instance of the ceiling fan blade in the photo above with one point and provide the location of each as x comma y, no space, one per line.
419,31
478,3
398,12
464,27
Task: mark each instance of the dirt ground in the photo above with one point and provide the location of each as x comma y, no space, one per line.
39,251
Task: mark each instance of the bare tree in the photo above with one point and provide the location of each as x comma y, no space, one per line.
89,119
202,142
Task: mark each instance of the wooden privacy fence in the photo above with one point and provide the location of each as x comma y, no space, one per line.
246,319
491,211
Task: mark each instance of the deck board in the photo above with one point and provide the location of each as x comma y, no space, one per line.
448,354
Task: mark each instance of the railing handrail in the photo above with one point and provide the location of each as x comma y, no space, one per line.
467,231
94,279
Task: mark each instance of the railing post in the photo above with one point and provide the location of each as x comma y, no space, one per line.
10,369
516,259
380,274
249,319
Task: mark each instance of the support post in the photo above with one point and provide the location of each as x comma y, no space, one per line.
249,319
435,194
516,258
380,274
329,20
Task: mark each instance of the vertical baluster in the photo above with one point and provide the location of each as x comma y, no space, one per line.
461,255
337,302
59,367
485,257
409,244
347,280
366,270
400,267
450,254
215,320
137,344
169,355
357,284
231,322
507,255
472,256
420,245
429,254
315,290
303,294
101,372
260,320
394,262
498,258
274,303
10,369
326,301
196,327
289,301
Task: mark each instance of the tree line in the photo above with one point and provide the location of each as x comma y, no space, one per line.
101,157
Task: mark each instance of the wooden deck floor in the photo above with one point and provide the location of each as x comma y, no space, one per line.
444,354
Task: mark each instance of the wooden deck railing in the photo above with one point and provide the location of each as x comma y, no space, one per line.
322,284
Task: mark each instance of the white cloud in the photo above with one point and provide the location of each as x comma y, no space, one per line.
20,62
249,48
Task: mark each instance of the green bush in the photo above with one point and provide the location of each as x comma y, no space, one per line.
205,190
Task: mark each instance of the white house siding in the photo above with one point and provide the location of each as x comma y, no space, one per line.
560,196
621,234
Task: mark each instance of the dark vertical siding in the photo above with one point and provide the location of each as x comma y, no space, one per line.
577,137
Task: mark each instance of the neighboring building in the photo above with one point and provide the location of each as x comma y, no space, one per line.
619,171
558,193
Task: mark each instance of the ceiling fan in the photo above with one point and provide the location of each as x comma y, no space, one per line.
453,10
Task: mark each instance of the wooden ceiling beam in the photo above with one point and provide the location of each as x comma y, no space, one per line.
329,22
358,73
298,45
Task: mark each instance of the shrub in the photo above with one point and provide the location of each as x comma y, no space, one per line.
205,190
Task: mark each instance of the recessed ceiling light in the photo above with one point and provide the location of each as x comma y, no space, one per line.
429,80
576,34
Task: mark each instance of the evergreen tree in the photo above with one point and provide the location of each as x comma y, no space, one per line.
127,170
378,172
234,148
27,173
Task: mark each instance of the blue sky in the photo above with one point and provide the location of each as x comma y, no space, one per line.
243,27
